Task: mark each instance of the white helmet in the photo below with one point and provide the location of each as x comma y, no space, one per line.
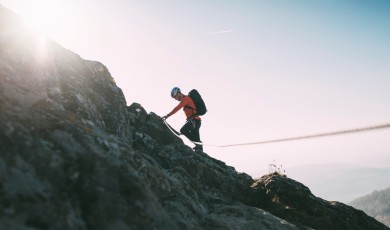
174,91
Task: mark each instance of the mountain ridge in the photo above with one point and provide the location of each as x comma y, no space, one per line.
353,180
376,204
75,156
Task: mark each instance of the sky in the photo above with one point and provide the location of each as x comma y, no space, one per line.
267,69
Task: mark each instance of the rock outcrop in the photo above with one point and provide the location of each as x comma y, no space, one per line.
73,155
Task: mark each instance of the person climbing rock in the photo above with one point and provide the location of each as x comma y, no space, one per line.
191,128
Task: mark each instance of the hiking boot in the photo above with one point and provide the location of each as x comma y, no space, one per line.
198,148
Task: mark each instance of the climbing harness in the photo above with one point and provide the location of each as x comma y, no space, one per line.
347,131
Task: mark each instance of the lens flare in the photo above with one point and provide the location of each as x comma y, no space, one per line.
47,17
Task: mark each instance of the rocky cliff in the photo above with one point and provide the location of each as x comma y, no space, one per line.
73,155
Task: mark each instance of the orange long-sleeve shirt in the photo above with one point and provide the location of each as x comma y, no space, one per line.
185,102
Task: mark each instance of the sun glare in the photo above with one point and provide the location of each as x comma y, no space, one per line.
47,17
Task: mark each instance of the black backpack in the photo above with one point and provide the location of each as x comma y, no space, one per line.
199,103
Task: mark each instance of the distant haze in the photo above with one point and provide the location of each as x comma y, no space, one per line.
341,182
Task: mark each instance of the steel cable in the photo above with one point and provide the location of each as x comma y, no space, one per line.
347,131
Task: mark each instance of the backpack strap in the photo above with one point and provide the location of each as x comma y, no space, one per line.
193,114
189,107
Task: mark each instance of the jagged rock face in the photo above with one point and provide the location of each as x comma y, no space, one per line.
66,157
294,202
74,156
150,132
37,73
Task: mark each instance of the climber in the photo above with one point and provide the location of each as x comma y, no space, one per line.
191,128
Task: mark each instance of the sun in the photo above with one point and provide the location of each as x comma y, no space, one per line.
47,17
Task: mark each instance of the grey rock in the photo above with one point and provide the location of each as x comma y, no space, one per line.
73,155
293,201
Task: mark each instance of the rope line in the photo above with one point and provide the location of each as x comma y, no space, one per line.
176,133
172,130
356,130
364,129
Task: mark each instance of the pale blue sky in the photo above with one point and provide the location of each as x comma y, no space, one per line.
267,69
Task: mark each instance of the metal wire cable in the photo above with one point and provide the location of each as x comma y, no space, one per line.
363,129
347,131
